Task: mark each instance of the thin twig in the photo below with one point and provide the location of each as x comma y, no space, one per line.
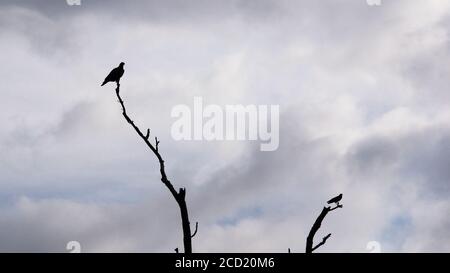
324,240
195,232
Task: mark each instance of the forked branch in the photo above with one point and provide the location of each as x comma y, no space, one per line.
316,226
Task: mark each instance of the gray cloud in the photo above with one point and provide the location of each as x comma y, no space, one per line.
156,11
421,156
362,95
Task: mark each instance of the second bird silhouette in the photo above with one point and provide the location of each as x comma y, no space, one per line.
115,74
335,199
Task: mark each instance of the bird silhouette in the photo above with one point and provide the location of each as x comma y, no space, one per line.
115,74
335,199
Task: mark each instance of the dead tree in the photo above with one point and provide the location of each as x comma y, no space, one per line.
179,196
316,226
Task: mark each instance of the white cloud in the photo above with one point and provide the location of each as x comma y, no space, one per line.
362,94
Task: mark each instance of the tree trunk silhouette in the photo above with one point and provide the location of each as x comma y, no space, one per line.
179,196
316,226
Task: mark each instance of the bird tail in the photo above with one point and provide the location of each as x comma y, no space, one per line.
104,83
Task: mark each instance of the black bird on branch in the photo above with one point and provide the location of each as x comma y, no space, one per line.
336,199
115,74
180,195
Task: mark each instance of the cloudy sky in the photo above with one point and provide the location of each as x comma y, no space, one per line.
364,110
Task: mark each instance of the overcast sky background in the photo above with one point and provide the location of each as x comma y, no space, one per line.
364,102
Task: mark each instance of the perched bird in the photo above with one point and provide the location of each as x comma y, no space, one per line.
335,199
115,74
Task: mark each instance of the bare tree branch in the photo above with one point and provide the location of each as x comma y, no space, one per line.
195,232
324,240
316,226
156,143
180,196
337,207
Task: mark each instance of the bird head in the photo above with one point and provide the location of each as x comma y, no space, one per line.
122,64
